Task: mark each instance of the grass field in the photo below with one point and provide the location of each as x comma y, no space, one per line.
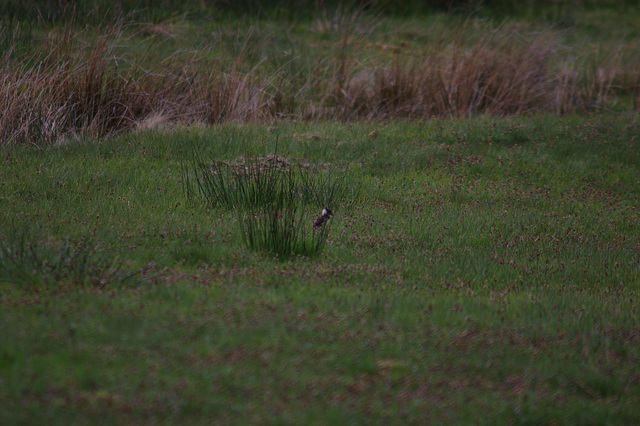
482,271
162,165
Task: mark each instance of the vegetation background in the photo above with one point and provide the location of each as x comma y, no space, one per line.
481,159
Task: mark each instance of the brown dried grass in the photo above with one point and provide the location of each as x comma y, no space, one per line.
73,85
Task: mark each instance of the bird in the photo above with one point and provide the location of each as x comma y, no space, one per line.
324,218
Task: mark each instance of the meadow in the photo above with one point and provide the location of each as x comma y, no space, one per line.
481,267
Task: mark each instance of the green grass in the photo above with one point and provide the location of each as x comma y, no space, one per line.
484,271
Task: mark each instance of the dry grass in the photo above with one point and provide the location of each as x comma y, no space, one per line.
502,74
72,83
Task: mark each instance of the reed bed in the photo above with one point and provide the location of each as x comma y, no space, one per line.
96,82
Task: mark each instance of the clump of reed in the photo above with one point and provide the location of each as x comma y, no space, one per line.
276,200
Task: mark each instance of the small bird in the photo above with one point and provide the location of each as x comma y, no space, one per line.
326,215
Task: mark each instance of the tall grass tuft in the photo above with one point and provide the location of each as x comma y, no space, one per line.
274,198
26,261
255,182
282,230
